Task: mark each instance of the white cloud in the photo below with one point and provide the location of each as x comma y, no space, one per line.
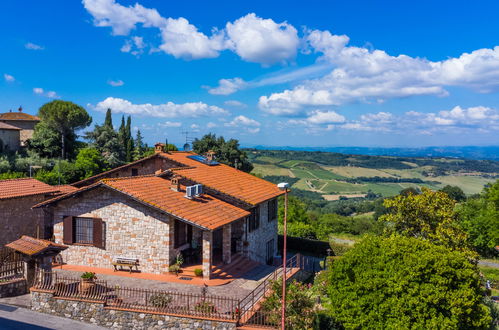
262,40
8,77
41,91
116,83
254,39
166,110
363,75
325,117
227,86
33,46
211,125
170,124
243,122
235,103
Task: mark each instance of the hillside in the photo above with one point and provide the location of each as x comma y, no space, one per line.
334,174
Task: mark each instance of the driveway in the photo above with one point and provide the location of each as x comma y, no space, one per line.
16,318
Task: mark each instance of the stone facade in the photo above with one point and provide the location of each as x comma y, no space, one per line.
17,218
27,128
13,288
207,253
98,314
130,230
256,248
9,139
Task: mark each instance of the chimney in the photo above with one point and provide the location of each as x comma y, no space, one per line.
158,147
20,109
175,184
210,155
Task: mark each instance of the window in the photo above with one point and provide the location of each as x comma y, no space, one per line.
254,219
182,233
135,172
272,210
84,230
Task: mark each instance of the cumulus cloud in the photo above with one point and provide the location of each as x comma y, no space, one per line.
243,122
166,110
227,86
32,46
363,75
263,41
8,77
116,83
42,92
254,39
170,124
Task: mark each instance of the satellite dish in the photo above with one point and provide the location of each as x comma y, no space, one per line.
187,147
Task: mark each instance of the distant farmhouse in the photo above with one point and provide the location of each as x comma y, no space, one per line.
15,129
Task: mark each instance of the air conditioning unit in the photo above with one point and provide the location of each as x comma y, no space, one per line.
199,190
190,191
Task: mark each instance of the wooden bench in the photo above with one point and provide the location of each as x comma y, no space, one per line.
123,262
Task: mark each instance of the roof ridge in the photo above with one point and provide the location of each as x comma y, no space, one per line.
127,178
25,178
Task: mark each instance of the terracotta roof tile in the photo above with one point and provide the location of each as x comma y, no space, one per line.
24,187
205,211
65,188
18,116
31,246
7,126
225,179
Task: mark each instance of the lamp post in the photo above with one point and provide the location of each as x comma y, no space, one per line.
284,186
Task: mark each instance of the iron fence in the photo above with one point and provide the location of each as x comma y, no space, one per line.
11,265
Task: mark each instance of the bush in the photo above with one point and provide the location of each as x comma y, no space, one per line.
160,299
339,249
205,307
174,268
198,272
405,283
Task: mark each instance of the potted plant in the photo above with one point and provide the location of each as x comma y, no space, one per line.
198,272
87,282
175,268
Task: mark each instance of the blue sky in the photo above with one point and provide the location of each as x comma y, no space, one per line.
314,73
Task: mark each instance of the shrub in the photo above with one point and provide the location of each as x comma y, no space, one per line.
198,272
339,249
88,276
174,268
160,299
205,307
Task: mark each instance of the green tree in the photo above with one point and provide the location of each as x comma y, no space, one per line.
479,217
226,152
300,313
454,192
429,215
61,119
89,162
109,119
129,140
139,150
405,283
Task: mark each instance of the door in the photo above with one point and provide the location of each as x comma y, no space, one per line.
217,245
270,252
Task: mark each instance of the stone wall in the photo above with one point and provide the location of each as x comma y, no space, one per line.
130,230
257,239
13,288
17,218
98,314
9,139
27,126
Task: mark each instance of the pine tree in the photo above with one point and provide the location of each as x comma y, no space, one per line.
138,151
129,140
109,120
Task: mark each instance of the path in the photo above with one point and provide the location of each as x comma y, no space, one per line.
16,318
489,263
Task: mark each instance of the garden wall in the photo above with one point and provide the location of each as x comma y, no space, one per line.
96,313
13,288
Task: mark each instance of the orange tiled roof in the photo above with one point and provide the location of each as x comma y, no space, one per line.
65,188
206,211
225,179
31,246
7,126
24,187
18,116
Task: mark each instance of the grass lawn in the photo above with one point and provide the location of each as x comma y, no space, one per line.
469,184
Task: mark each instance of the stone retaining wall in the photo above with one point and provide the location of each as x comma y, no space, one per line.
97,314
13,288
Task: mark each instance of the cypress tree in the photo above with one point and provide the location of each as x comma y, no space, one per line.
109,120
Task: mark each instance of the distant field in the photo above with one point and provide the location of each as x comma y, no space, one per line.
330,181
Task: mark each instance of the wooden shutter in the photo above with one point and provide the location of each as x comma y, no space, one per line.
97,233
67,230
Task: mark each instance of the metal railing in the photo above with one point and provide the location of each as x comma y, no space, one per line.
11,265
244,311
155,301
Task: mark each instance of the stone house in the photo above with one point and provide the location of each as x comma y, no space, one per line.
25,123
17,218
176,202
10,138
